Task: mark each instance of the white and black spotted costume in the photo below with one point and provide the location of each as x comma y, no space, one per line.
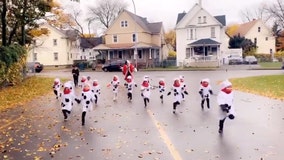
96,89
205,91
67,100
162,89
130,84
56,88
86,101
145,91
225,102
115,84
177,92
183,87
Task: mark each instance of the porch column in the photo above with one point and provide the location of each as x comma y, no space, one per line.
108,56
150,54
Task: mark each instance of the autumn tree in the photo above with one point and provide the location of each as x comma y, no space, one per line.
232,29
276,12
170,38
17,17
106,11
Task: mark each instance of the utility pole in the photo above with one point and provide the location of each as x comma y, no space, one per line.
135,33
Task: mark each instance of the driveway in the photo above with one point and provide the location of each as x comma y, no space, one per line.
126,130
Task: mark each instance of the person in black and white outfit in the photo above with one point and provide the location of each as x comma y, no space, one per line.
177,92
86,101
115,84
225,101
130,84
67,100
145,91
183,87
56,87
162,89
96,89
205,91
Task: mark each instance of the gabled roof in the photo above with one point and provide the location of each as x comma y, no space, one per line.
180,16
155,27
206,41
221,19
245,27
195,9
90,42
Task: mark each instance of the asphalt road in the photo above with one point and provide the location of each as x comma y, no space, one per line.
126,130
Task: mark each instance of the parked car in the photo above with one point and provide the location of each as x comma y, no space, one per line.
34,67
113,66
250,60
235,59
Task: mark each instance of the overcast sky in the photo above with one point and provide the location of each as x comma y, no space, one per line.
166,11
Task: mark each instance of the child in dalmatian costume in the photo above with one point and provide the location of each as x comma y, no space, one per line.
162,89
67,99
145,91
56,87
177,92
83,81
225,102
183,87
205,91
115,84
96,89
130,84
86,101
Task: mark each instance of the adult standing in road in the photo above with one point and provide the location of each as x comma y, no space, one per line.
128,69
75,72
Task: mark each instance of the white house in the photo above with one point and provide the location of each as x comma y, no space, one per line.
259,34
200,38
58,48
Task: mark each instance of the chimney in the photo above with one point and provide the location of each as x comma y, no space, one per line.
200,3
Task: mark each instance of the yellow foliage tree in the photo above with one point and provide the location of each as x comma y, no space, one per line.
170,38
232,29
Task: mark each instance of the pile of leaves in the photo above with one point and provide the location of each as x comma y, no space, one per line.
270,86
31,88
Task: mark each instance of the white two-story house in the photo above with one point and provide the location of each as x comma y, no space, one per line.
57,48
200,38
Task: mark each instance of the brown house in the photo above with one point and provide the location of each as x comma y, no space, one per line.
131,37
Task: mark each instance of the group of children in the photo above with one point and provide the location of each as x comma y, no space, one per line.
89,95
91,91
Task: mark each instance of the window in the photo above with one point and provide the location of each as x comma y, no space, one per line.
199,20
266,38
258,29
123,24
55,55
204,19
120,54
83,50
68,56
213,32
133,37
35,57
139,54
54,42
115,38
255,41
191,33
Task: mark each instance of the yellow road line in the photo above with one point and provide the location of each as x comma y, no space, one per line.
10,123
175,154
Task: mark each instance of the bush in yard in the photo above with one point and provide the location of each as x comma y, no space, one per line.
12,63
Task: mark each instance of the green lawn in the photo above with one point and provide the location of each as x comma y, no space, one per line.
31,88
270,64
269,86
